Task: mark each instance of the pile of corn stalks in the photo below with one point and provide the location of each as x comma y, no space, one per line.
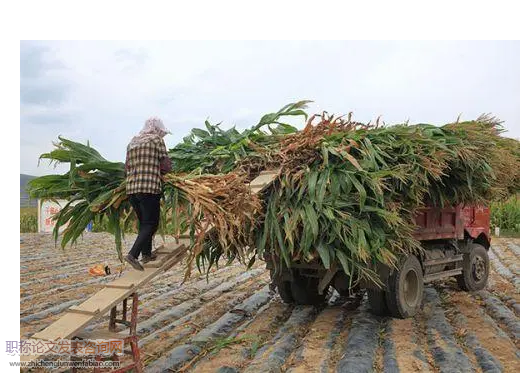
345,195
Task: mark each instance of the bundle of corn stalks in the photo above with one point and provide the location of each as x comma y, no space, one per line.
216,151
194,200
347,192
94,188
223,203
345,195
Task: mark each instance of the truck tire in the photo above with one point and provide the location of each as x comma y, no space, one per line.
285,292
377,302
305,290
282,286
476,269
405,288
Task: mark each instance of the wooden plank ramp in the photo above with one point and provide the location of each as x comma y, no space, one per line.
77,318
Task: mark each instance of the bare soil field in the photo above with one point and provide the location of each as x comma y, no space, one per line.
232,322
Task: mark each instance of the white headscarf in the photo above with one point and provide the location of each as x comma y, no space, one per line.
153,127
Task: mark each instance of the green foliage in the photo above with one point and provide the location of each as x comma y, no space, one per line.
28,220
102,225
28,211
506,215
94,188
222,343
213,150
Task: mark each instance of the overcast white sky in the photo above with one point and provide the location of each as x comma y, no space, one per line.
103,91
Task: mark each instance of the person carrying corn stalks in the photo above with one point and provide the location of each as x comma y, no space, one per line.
146,161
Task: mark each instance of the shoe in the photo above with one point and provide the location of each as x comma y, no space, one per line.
148,258
134,263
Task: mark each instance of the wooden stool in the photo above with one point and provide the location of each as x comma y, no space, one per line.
132,338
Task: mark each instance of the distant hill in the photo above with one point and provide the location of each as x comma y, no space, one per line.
24,197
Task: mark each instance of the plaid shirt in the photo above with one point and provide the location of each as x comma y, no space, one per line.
143,166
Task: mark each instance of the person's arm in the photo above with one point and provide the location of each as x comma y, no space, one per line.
166,162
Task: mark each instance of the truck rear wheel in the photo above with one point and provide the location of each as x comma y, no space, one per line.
283,287
377,302
476,269
405,288
285,291
305,290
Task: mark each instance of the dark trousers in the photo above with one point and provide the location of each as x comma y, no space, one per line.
147,207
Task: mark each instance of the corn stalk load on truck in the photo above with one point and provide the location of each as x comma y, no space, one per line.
368,176
455,241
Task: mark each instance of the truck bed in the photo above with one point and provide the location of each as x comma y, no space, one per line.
452,222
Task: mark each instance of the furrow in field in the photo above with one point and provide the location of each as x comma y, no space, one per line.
447,354
444,292
191,324
378,360
174,301
232,323
493,349
154,323
55,310
272,356
420,326
339,342
503,271
183,354
362,342
61,302
504,317
317,345
46,316
505,291
77,278
242,347
51,274
406,338
507,258
41,301
514,248
161,319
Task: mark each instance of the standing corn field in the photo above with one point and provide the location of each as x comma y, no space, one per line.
505,214
28,220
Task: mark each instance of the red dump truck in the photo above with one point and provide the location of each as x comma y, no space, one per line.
456,241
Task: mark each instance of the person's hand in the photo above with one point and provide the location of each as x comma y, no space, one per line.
166,165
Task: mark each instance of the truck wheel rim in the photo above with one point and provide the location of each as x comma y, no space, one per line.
410,288
479,268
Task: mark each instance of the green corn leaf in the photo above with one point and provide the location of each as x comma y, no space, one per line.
324,253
